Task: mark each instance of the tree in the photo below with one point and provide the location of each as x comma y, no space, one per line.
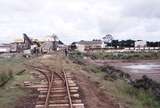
122,44
129,43
153,44
115,43
126,43
73,46
108,38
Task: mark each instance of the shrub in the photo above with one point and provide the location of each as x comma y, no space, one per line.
77,57
127,56
5,77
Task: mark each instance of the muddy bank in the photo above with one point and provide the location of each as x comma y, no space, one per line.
142,83
136,68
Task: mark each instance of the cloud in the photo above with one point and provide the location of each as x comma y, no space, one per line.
142,8
74,20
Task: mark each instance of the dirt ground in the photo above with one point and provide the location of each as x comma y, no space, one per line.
93,96
28,101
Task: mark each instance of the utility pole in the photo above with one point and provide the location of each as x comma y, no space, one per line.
55,42
158,45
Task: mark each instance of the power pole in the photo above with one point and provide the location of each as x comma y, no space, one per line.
55,41
158,45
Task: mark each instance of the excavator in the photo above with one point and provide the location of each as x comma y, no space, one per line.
30,47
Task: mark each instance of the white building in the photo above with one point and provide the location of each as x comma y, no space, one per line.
82,46
140,43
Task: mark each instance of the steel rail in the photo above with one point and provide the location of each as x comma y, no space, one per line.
49,91
68,91
49,80
50,86
50,77
39,67
42,72
47,67
66,83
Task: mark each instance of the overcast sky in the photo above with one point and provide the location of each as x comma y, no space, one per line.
74,20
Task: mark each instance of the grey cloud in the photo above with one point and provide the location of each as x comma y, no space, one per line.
142,8
80,19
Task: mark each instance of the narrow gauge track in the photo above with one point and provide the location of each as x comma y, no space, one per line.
59,91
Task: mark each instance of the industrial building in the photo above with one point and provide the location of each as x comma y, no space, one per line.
86,45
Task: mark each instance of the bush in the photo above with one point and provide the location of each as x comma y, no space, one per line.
77,57
127,56
147,100
5,77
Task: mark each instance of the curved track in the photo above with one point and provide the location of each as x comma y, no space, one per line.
59,90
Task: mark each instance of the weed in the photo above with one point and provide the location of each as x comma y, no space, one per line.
77,57
127,56
127,94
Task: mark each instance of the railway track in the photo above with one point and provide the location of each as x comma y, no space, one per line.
59,90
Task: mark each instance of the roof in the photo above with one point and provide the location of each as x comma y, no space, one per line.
5,45
19,40
90,42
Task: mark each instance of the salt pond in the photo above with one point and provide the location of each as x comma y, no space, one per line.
143,66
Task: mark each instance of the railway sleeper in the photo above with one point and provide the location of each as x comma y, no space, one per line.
59,91
59,88
77,101
69,81
69,78
53,93
61,106
57,98
59,95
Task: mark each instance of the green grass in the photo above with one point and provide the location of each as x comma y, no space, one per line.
9,67
13,64
13,90
76,57
127,56
135,98
125,94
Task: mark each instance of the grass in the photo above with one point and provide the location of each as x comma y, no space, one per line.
5,77
127,56
125,94
77,57
134,98
13,90
9,67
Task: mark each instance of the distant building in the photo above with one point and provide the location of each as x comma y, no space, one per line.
5,48
52,45
140,43
86,45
